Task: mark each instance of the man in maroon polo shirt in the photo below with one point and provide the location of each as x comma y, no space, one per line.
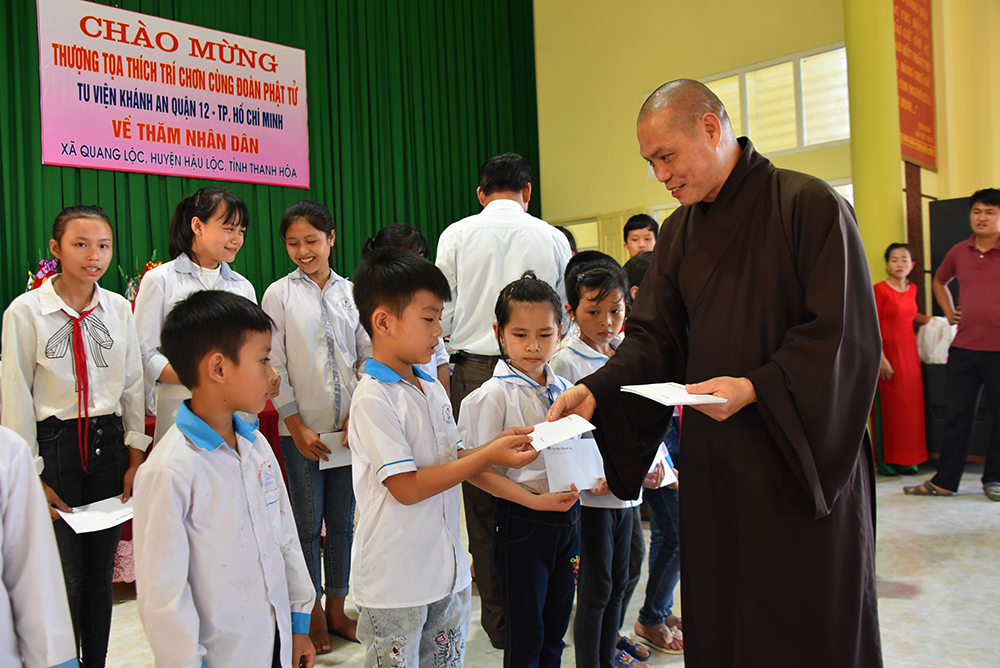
974,356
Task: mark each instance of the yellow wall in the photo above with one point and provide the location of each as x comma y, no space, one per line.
596,61
967,91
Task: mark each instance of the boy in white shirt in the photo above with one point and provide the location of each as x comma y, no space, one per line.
409,570
220,576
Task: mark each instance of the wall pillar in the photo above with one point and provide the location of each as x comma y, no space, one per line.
876,171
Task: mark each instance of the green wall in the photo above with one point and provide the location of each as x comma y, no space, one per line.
405,101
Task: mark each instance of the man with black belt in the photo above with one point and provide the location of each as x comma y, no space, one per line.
480,255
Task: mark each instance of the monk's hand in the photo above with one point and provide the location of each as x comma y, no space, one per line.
738,392
577,400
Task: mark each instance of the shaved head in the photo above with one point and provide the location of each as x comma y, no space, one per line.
687,101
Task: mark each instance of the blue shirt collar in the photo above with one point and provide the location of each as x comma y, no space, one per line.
203,436
184,265
382,373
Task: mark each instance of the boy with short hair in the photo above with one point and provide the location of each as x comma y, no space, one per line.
640,234
409,569
220,576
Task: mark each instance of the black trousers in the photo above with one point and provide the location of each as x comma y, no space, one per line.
88,559
972,376
467,376
537,554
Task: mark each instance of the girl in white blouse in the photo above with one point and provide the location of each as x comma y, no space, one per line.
72,388
206,232
316,347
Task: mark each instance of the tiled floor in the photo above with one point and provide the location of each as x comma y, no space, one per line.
938,575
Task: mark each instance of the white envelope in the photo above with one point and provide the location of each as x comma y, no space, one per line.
671,394
576,461
550,433
99,515
339,455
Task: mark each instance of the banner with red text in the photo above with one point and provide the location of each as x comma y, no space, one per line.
915,81
137,93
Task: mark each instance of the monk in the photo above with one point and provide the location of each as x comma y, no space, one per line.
758,292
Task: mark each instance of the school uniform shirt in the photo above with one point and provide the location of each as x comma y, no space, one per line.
403,556
316,347
574,361
35,626
217,557
38,375
161,289
510,399
481,254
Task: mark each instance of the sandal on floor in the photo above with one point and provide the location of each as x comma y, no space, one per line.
626,644
625,660
992,491
926,489
674,634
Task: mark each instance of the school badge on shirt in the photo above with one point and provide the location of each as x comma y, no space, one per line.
447,415
265,474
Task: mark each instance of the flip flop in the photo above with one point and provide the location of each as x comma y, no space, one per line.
926,489
625,660
626,644
675,634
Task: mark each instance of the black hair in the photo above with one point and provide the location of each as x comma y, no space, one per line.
597,275
203,205
586,257
397,235
987,196
206,322
507,172
892,247
641,221
390,279
635,270
637,267
313,213
529,289
569,237
71,213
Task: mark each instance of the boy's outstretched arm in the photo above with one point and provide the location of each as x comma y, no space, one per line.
490,480
511,449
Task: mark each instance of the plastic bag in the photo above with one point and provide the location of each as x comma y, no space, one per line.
934,339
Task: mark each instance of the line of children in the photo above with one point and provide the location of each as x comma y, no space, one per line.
657,626
597,292
73,388
220,577
536,548
407,461
206,232
212,348
317,346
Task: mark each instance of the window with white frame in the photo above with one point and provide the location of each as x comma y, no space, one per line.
791,103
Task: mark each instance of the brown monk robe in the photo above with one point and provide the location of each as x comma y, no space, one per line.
760,281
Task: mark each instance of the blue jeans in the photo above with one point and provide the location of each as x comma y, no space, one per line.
317,495
536,555
664,555
431,636
88,559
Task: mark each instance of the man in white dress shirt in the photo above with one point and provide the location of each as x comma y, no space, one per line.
479,255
